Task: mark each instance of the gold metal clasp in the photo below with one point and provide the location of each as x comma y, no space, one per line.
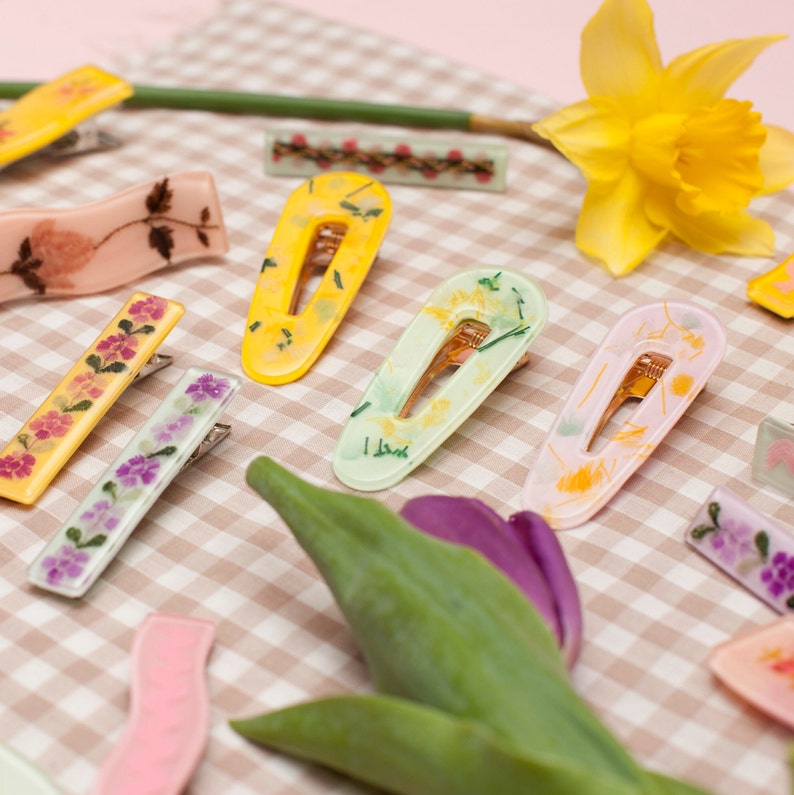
637,383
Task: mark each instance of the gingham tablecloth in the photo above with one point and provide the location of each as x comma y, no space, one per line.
211,547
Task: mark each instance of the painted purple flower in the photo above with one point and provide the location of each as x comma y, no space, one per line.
524,547
17,466
779,575
67,563
53,423
208,386
165,432
101,514
118,346
139,469
733,541
147,309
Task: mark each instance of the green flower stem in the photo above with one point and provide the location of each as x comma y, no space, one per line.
220,101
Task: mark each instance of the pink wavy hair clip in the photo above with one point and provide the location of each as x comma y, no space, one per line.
115,241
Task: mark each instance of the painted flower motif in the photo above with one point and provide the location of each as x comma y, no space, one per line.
52,423
88,384
207,386
148,309
734,541
61,252
102,514
166,432
779,575
118,346
662,149
139,469
16,466
68,562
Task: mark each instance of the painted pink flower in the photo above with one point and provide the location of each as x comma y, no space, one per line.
118,346
61,251
208,386
138,470
67,563
53,423
88,384
17,466
148,309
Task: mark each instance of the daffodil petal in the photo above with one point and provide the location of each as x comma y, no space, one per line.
777,159
701,77
613,226
620,57
592,136
715,233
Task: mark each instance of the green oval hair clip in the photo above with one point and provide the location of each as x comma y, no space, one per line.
480,321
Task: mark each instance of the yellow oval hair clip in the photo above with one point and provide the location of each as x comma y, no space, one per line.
333,223
125,349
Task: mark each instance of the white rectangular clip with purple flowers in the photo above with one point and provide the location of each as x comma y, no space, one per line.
180,431
747,545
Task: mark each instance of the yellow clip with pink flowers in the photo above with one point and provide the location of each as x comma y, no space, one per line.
332,227
48,112
126,349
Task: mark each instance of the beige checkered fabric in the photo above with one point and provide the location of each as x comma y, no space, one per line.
654,609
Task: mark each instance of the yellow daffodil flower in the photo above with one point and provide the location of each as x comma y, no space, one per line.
663,151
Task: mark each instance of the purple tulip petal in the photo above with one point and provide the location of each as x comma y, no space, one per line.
471,523
541,542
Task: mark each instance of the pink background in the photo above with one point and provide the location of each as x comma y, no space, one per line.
532,44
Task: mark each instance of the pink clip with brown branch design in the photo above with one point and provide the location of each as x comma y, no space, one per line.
115,241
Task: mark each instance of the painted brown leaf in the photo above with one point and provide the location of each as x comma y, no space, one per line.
159,199
161,239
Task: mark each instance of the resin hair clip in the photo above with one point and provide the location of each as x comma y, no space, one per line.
659,355
126,349
180,431
109,243
480,321
774,290
168,723
332,224
747,545
759,666
48,112
773,461
20,777
429,162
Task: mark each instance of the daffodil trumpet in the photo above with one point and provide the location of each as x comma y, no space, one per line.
664,152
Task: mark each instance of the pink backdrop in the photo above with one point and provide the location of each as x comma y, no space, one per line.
531,44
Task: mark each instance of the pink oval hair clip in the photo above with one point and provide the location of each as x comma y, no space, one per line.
638,383
108,243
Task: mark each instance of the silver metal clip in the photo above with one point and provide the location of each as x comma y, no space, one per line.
216,434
